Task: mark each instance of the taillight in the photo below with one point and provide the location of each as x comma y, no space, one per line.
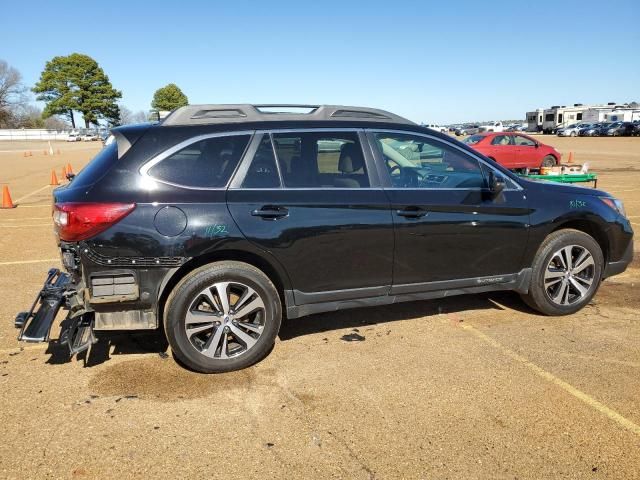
79,221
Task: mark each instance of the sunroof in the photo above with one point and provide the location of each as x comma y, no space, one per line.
299,109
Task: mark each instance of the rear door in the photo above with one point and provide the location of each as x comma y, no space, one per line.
313,200
447,227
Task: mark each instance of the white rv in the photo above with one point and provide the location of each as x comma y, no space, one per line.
562,116
534,120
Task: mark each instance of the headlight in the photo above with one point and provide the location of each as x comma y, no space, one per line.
615,204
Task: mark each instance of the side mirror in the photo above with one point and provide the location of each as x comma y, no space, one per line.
496,183
537,145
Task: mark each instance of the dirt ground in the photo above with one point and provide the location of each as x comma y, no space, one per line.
466,387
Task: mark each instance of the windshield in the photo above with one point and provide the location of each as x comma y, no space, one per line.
473,139
605,125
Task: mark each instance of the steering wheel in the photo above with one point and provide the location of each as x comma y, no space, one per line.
411,178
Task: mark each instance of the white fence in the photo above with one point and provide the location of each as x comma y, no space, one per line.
33,134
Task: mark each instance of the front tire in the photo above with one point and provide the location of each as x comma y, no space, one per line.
566,273
222,317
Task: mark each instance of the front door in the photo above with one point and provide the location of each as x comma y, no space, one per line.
503,150
315,207
447,226
527,152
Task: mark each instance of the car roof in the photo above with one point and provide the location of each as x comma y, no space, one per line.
210,114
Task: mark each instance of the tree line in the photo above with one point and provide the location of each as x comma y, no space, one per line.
71,85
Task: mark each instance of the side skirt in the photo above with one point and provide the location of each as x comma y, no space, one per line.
518,282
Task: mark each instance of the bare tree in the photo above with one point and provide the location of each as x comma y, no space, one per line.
27,116
55,123
12,93
128,117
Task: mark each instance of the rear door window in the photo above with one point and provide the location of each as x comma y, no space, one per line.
262,172
321,160
208,163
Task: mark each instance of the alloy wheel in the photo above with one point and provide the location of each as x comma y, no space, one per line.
570,275
225,320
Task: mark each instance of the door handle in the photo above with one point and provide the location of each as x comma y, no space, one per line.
412,212
270,212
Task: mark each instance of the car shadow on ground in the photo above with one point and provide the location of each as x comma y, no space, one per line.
128,343
354,318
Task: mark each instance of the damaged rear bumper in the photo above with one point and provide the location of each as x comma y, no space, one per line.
58,292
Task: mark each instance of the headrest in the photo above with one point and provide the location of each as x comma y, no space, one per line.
351,159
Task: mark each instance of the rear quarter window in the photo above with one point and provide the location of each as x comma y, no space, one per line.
208,163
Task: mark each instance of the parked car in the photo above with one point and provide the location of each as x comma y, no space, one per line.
571,130
514,150
636,128
214,224
90,137
467,130
74,137
437,128
619,129
491,127
516,128
602,129
590,131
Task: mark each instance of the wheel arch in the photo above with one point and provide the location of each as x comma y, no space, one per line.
592,229
275,273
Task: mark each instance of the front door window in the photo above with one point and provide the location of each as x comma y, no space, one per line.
419,162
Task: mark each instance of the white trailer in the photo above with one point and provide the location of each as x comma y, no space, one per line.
622,115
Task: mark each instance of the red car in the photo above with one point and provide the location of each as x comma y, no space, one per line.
514,150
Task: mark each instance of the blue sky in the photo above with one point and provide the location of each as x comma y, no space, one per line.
432,61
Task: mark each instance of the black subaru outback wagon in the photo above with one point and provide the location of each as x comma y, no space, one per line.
219,220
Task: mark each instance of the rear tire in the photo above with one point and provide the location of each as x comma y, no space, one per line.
566,273
222,317
549,161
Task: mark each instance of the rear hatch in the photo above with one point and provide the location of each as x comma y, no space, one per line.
77,214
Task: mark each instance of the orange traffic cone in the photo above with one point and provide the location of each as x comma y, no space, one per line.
6,198
69,169
64,173
570,157
54,179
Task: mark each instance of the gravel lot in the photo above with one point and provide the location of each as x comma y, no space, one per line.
466,387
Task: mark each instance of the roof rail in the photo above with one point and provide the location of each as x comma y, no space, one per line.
232,113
